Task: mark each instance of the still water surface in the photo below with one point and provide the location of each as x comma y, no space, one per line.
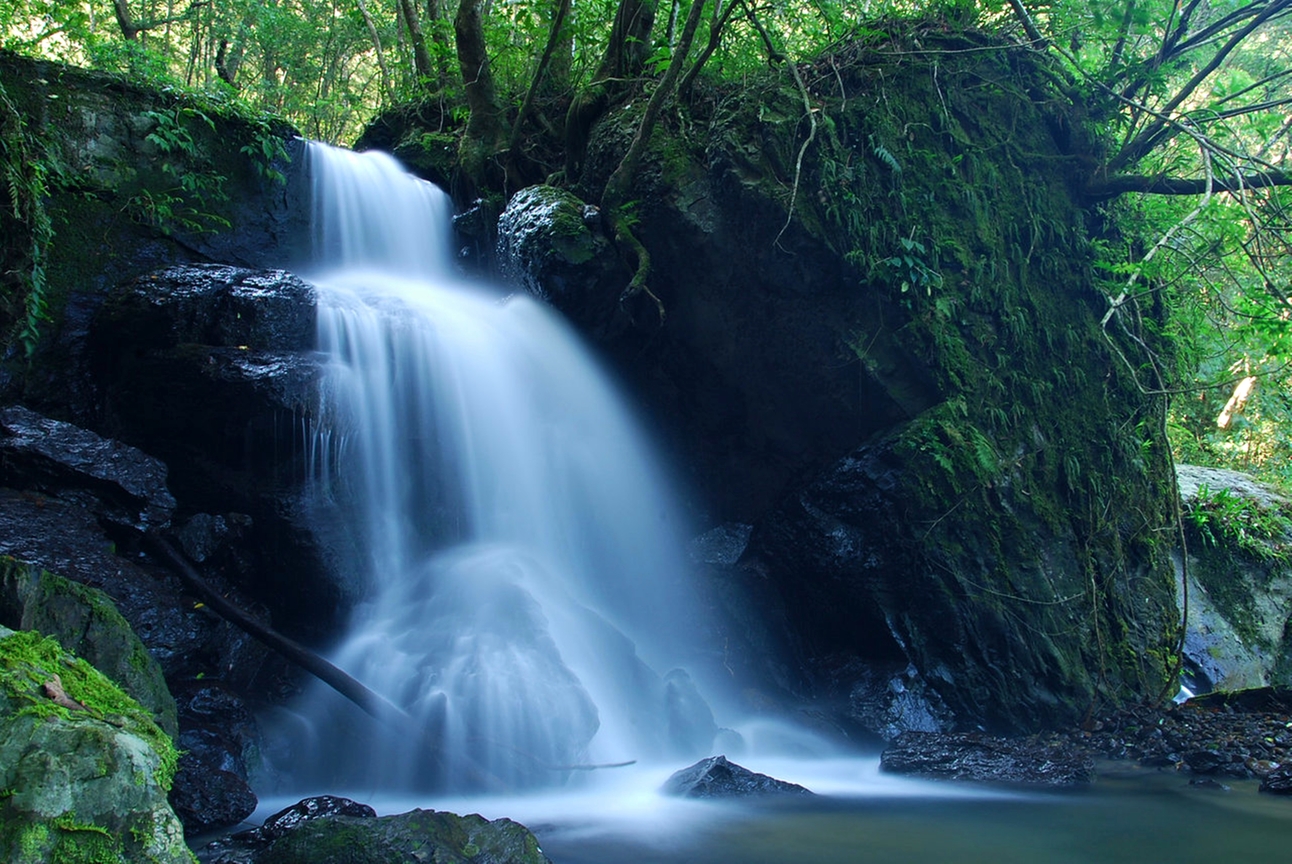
1130,815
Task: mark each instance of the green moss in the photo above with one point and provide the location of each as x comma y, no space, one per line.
29,660
77,843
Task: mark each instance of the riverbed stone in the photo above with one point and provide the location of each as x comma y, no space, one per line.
717,777
981,758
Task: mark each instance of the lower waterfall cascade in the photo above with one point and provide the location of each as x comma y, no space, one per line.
527,605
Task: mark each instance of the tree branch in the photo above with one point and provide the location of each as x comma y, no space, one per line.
1159,184
374,704
1146,139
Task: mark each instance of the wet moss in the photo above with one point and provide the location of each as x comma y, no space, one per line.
30,661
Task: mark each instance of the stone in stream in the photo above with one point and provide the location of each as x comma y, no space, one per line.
716,777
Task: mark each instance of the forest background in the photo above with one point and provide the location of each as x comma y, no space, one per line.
1191,101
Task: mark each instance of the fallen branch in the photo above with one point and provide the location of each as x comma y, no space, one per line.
374,704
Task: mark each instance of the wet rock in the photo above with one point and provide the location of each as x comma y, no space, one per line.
86,622
1208,783
213,369
721,546
716,777
60,764
1278,782
899,701
119,483
219,742
293,817
317,830
988,759
213,304
551,242
1208,762
67,539
206,798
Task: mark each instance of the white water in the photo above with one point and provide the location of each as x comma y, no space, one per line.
527,595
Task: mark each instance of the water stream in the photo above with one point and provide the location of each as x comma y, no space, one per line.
527,605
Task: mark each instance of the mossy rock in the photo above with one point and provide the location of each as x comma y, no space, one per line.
85,621
413,837
83,774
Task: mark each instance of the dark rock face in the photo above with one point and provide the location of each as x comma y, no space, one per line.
128,487
212,369
901,383
218,739
865,569
328,829
716,777
983,758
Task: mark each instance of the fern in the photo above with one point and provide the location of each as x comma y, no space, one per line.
883,154
26,179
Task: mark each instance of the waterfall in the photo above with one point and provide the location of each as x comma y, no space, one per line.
527,602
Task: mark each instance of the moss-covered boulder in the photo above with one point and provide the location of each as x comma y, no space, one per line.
84,620
1239,599
84,770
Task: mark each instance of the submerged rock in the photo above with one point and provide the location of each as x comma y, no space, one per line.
716,777
84,767
330,830
988,759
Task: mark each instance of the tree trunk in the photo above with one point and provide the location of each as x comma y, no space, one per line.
421,57
624,58
484,136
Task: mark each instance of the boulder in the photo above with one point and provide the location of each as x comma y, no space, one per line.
983,758
716,777
84,620
120,484
1239,596
338,831
84,767
551,242
219,743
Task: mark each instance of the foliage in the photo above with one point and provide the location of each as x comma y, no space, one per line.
26,169
1221,518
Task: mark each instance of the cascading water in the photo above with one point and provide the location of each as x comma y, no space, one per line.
524,567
